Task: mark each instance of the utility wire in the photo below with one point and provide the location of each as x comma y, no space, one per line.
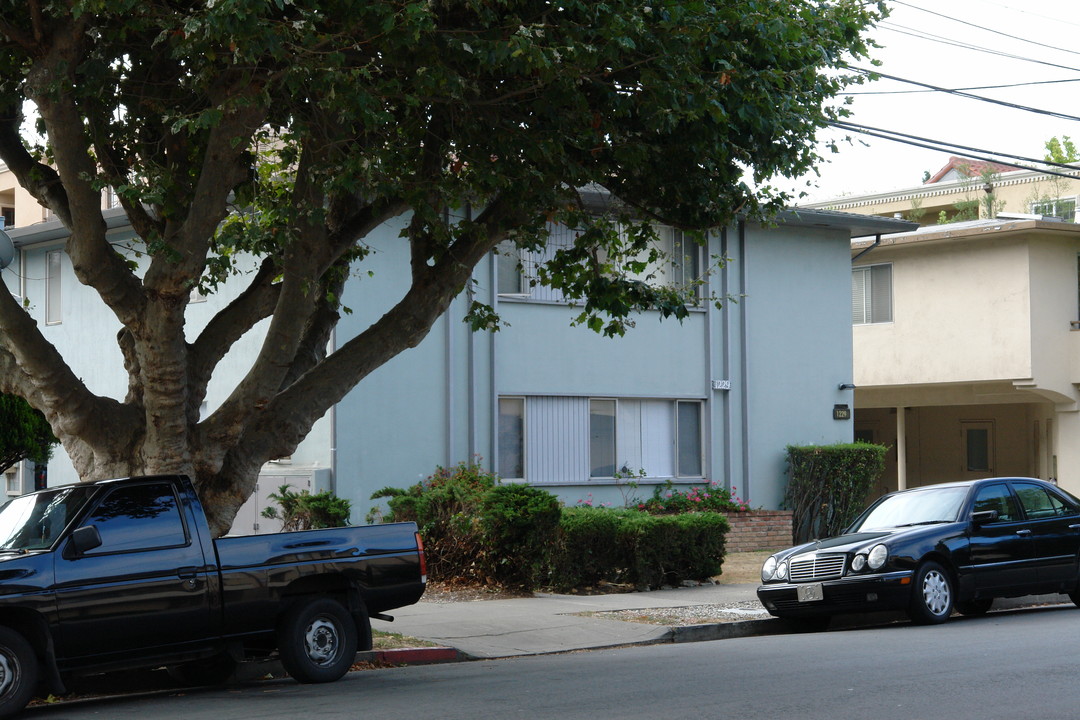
960,93
968,152
979,87
981,27
967,46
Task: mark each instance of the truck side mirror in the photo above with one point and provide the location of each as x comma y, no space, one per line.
85,539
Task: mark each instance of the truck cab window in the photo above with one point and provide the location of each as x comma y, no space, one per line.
139,517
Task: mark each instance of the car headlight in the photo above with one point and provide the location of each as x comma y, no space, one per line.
858,563
781,571
877,557
768,569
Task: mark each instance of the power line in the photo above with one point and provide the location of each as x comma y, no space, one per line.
1028,12
981,27
960,93
964,150
979,87
922,35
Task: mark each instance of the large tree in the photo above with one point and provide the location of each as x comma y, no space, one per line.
290,129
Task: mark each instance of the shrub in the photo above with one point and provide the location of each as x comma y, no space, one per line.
520,524
828,486
304,511
445,507
666,500
633,547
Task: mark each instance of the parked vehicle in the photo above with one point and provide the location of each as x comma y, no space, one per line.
934,549
123,573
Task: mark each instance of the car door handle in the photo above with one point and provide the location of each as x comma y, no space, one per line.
1075,526
1023,533
187,573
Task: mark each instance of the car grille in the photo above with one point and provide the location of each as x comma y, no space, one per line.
810,568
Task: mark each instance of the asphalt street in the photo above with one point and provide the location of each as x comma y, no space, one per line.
1013,664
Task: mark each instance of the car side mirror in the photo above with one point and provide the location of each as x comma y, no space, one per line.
984,516
85,539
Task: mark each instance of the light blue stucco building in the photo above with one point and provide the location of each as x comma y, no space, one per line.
715,398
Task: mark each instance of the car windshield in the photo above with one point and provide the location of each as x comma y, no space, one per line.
921,507
34,522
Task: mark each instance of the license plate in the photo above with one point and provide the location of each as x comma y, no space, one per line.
810,593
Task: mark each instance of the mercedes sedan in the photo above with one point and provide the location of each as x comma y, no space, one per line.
931,550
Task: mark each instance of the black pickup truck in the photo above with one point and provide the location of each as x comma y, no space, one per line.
120,574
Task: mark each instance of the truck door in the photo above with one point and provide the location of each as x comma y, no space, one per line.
145,586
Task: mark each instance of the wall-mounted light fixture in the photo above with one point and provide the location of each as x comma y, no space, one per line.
847,386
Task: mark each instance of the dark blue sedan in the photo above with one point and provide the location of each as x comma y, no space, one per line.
931,550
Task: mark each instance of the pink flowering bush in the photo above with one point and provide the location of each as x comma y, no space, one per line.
666,500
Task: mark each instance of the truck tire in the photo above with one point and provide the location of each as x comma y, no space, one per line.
317,640
18,672
214,670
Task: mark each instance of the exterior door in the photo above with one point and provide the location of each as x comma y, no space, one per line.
1002,550
1055,531
145,586
977,450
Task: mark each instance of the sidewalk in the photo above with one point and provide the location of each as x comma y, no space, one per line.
549,623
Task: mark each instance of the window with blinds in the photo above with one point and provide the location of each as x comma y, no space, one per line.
871,294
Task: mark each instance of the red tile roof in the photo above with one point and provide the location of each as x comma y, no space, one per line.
968,168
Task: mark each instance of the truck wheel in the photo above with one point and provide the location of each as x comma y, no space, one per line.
317,641
214,670
18,672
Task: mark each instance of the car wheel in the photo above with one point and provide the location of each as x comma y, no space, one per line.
18,672
973,608
932,595
1075,597
317,640
214,670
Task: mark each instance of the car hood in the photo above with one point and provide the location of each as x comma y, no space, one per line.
853,542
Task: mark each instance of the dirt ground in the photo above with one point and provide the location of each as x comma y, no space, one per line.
742,568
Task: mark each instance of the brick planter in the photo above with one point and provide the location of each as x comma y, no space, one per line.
758,530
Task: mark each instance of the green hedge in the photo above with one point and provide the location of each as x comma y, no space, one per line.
477,530
828,486
627,546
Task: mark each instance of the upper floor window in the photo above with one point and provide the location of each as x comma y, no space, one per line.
1064,208
52,287
9,217
678,265
871,294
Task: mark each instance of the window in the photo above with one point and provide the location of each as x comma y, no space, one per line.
52,287
512,438
999,499
978,441
1064,208
688,438
547,439
9,217
508,276
871,294
11,481
601,438
685,259
138,517
1038,503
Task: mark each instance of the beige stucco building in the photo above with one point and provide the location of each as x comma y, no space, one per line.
967,350
961,183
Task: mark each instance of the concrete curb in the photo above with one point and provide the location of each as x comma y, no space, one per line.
412,656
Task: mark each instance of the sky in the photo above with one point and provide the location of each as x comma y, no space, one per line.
1016,33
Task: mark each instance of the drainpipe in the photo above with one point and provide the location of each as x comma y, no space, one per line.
744,370
877,241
